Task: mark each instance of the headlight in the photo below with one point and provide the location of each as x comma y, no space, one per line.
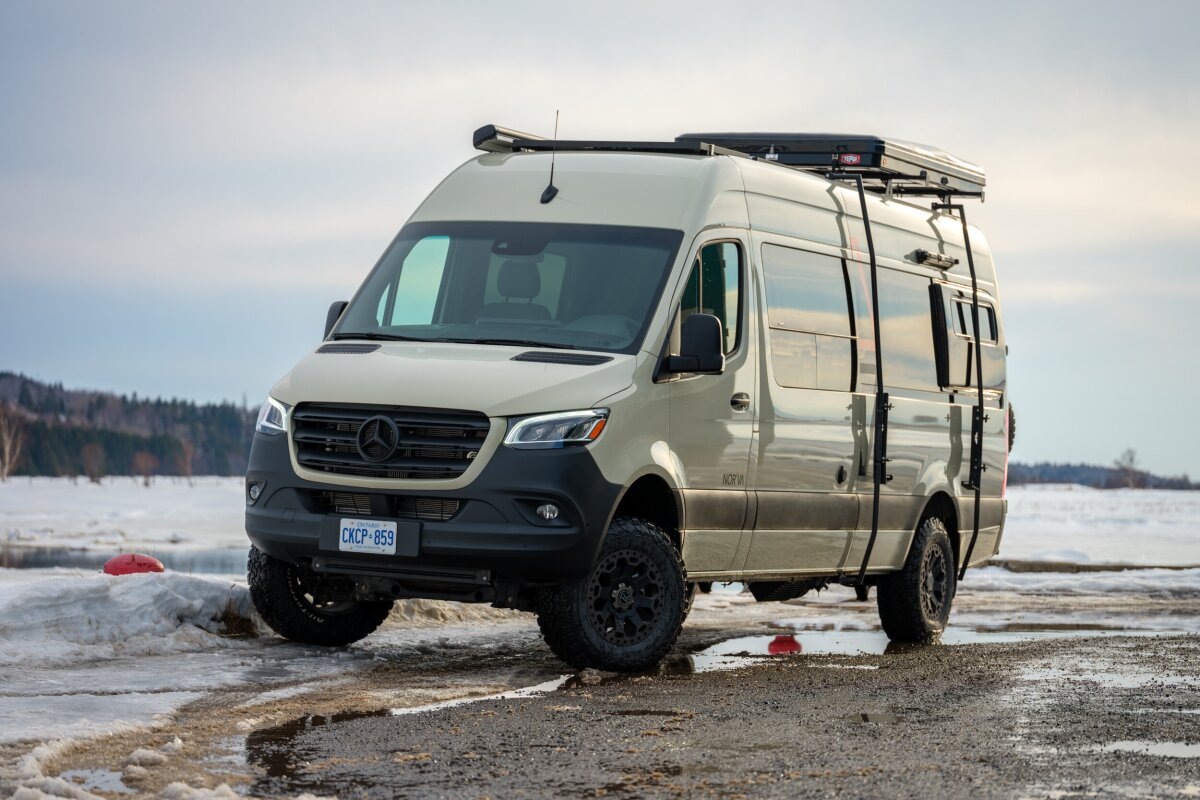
272,419
557,430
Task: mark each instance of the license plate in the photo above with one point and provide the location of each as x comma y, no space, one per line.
367,536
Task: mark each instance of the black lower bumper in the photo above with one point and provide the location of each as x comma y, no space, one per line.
493,535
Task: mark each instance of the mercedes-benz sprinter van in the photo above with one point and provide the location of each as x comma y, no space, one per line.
586,377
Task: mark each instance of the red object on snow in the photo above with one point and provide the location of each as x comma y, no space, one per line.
130,563
783,645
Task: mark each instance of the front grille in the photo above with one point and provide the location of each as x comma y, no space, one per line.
431,443
343,503
429,509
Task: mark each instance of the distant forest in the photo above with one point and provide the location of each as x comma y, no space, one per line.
1122,475
69,432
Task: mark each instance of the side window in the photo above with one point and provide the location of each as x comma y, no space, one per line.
963,320
906,332
715,287
418,284
809,314
956,340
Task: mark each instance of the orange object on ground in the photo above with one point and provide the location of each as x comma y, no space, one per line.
130,563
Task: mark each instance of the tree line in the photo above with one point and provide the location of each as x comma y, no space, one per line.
64,432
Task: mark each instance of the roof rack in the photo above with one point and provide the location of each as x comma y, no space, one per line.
887,166
892,165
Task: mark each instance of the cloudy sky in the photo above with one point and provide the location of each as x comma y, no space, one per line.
184,187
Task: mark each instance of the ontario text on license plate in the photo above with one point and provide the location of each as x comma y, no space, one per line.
367,536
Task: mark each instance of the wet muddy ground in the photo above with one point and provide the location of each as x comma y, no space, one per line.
1028,696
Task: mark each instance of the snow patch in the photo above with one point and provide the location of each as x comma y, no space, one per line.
1150,582
92,617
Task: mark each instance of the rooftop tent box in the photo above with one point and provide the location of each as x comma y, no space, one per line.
905,166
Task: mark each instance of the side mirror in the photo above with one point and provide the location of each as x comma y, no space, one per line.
701,346
333,315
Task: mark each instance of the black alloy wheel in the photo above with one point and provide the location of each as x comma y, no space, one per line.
625,592
914,602
625,614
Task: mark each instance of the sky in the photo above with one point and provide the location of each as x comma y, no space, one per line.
185,187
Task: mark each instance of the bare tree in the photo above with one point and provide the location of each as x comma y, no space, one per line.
93,461
1127,465
144,464
12,437
187,452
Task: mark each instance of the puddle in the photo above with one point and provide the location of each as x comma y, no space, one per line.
282,758
1164,749
96,780
874,717
222,560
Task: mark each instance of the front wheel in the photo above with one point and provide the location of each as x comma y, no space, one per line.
626,613
305,607
914,603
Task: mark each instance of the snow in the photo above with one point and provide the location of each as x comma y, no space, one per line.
82,653
122,515
1081,525
66,618
1146,582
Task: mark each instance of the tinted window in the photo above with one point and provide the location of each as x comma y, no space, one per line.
906,330
714,287
586,286
805,291
963,320
808,311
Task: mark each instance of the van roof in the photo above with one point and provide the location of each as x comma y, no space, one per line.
691,192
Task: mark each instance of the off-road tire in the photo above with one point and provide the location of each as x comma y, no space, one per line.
689,598
277,594
637,564
914,603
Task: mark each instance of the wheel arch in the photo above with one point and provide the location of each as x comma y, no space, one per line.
652,497
942,506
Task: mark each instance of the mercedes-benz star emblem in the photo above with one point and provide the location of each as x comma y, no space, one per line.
377,439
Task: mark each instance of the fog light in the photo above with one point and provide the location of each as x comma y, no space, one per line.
548,512
254,491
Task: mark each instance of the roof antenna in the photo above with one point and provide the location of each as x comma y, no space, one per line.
551,190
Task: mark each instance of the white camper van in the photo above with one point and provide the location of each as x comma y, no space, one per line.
588,376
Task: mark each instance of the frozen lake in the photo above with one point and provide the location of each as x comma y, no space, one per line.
197,527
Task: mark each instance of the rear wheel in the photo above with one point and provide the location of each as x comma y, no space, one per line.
305,607
914,603
626,613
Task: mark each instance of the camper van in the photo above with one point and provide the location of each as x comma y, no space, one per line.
588,377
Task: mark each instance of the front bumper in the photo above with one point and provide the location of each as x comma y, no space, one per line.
495,535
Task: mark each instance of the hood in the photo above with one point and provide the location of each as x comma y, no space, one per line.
467,377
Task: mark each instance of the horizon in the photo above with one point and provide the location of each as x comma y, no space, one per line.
185,188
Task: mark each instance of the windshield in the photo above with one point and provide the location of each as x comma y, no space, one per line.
572,286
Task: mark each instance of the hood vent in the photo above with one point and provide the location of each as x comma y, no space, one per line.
348,349
577,359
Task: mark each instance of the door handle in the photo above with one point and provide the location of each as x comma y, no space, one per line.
740,401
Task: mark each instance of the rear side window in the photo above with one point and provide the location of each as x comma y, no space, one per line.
715,287
809,314
906,332
963,321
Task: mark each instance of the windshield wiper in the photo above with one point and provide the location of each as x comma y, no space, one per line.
388,337
519,342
